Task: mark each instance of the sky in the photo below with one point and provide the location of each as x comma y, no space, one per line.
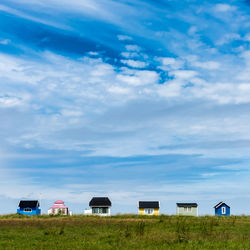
130,99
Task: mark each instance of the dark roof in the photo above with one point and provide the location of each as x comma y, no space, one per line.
30,203
149,204
100,201
187,204
220,204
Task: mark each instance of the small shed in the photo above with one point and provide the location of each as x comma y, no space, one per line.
187,209
148,207
29,207
100,206
222,209
58,208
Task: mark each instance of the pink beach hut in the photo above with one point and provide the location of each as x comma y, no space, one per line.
59,208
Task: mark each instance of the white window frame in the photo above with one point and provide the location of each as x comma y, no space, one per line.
95,210
223,210
100,210
149,211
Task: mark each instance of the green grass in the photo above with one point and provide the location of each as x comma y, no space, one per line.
124,232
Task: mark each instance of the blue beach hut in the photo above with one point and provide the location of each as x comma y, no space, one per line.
29,207
222,209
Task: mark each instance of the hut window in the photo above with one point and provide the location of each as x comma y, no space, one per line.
223,210
148,210
100,210
95,210
27,210
104,210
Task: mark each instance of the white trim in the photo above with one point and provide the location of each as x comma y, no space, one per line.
220,204
100,206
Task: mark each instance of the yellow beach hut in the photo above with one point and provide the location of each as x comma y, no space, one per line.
148,207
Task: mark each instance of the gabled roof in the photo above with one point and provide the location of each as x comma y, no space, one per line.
220,204
28,203
149,204
100,201
187,204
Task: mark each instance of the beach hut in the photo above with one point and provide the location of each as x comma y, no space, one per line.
222,209
187,209
58,208
29,207
99,206
148,207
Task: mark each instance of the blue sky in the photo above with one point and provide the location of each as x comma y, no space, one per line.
131,99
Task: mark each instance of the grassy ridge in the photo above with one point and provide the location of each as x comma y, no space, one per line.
124,232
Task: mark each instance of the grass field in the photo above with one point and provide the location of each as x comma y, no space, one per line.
124,232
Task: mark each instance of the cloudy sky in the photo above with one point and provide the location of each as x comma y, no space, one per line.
131,99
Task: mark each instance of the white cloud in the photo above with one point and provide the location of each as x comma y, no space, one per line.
131,47
130,54
93,53
139,78
5,41
15,99
33,17
192,30
183,74
170,89
224,7
93,87
209,65
123,38
135,64
224,93
228,38
119,90
102,69
169,63
9,101
247,37
67,112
